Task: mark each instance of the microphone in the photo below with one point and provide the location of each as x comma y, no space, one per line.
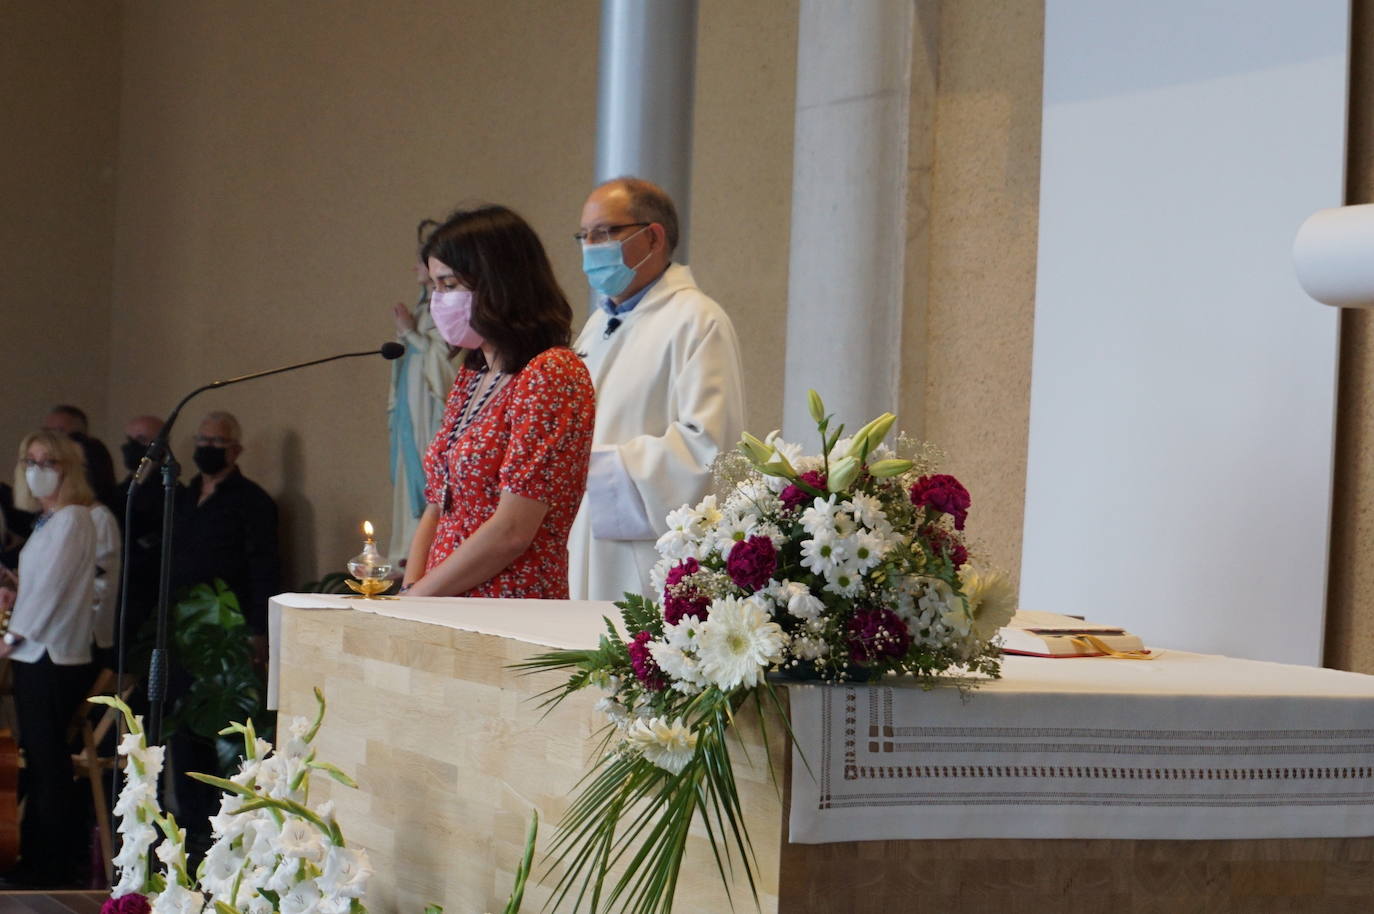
160,455
158,448
611,326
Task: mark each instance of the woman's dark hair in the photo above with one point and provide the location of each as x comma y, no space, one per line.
517,305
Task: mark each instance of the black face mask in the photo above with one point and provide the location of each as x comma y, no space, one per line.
133,453
210,460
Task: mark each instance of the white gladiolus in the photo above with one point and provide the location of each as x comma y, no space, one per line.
177,899
298,838
301,899
346,872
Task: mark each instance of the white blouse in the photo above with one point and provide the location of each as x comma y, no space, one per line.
108,561
53,610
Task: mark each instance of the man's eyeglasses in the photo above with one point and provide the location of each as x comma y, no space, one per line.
602,233
214,441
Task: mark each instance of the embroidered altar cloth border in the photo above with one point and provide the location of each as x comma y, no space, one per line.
1189,746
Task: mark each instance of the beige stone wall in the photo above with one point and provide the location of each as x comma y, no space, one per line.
277,157
58,123
1350,601
974,244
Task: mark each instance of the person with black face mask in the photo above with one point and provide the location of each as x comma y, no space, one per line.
145,534
226,526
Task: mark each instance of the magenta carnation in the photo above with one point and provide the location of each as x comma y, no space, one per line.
946,543
133,903
680,598
875,633
793,495
646,667
942,493
752,562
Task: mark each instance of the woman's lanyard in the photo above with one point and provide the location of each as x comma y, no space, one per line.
472,408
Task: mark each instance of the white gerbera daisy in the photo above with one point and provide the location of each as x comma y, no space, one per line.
670,746
737,644
991,600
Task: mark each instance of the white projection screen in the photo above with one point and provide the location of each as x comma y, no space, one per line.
1183,386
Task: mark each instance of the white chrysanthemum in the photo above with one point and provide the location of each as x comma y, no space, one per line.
177,899
677,665
738,643
682,636
685,532
820,516
658,575
991,600
867,510
844,579
823,552
868,549
346,872
298,838
942,602
670,746
301,899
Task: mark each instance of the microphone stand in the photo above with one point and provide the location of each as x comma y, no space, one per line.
159,454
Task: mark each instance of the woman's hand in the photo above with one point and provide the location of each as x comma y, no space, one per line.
6,599
405,320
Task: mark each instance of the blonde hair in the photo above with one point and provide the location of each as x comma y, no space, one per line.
74,489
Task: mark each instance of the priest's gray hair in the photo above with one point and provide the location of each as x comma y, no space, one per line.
651,203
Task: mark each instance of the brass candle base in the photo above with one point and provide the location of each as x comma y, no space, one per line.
371,588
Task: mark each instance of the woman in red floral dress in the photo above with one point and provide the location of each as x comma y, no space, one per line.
505,475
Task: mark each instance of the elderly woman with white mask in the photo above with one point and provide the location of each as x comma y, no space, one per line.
49,641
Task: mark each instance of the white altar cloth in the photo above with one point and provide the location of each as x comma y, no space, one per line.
1184,747
1189,746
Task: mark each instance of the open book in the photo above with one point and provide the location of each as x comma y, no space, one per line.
1042,634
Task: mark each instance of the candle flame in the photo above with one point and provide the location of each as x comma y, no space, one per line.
367,528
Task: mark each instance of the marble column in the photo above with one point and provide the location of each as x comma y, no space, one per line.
849,244
645,94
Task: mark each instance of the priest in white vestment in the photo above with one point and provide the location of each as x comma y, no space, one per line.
669,388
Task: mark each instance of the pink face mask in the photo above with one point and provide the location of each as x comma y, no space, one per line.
452,311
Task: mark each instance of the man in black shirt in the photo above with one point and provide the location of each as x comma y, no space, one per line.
227,527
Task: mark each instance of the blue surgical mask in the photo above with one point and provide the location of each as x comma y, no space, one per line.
605,267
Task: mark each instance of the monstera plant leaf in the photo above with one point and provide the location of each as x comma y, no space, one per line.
210,643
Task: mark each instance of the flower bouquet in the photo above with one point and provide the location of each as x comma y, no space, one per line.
844,565
272,851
